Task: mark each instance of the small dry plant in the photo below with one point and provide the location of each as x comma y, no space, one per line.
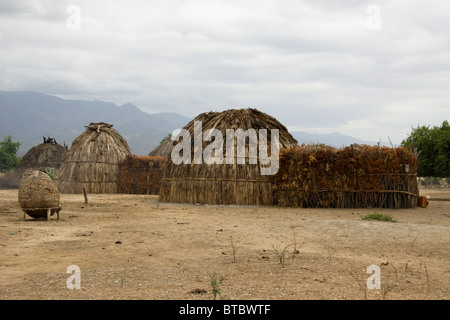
234,248
387,288
281,253
216,283
122,279
423,264
361,281
329,254
295,244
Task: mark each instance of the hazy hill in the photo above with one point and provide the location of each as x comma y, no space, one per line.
335,139
28,116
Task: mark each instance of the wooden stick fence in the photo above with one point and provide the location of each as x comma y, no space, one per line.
352,177
141,175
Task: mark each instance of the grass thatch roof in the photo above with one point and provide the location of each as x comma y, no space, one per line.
163,150
224,183
92,162
42,156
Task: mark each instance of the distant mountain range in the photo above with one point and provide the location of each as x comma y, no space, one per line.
334,139
29,116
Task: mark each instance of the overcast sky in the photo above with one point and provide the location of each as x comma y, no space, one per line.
369,69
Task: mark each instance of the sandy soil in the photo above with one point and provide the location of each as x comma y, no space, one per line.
134,247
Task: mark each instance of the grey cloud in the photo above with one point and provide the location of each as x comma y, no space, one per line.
313,64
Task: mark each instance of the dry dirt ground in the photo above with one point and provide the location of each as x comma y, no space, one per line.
134,247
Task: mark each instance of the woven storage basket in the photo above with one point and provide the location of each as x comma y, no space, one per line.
37,193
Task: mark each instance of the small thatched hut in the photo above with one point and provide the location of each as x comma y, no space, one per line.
239,179
93,161
49,154
163,150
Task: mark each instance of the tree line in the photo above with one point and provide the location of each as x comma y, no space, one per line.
8,158
433,146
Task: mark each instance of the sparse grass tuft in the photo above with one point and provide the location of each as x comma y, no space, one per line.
281,253
215,284
52,173
378,216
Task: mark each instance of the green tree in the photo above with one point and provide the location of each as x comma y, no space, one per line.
168,137
433,145
8,157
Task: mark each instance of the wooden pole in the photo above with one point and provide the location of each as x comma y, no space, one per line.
85,196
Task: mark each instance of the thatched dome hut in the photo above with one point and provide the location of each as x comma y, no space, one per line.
163,150
93,161
49,154
236,181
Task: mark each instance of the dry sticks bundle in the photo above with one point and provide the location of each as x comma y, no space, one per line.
352,177
141,175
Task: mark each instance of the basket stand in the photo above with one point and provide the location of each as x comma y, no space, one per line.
49,212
